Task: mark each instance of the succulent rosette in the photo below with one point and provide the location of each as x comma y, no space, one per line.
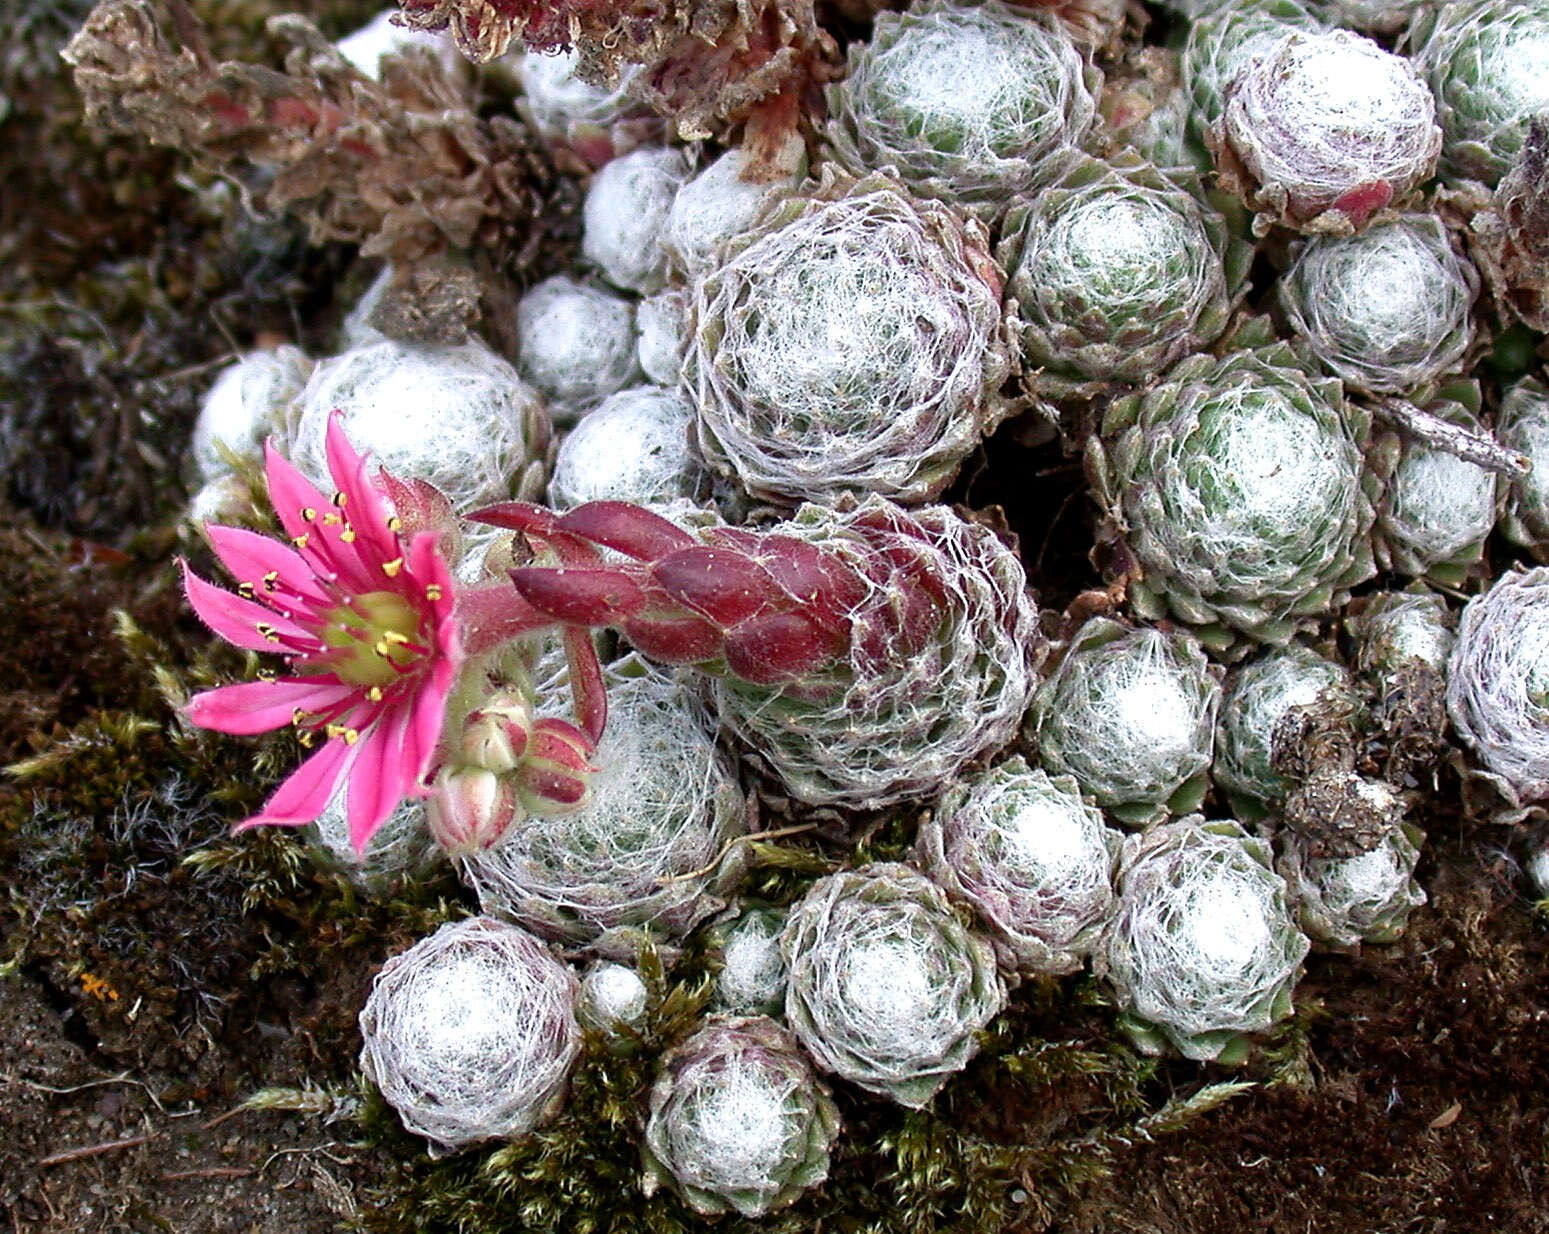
738,1120
1239,486
1115,272
1437,509
1372,16
1477,56
969,104
1031,856
397,851
1498,685
1394,628
1259,696
853,343
1367,898
863,653
1324,130
887,988
905,708
582,124
625,216
458,418
1523,425
751,980
651,855
725,199
575,342
1147,109
1131,715
633,447
471,1033
1204,947
1224,39
1387,310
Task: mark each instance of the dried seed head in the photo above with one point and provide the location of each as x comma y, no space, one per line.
1130,714
457,417
626,213
1387,310
652,854
471,1033
1259,695
1488,66
886,988
1325,129
1116,272
1204,947
854,344
738,1119
1498,683
969,105
575,343
635,447
570,114
1031,856
1523,425
1345,901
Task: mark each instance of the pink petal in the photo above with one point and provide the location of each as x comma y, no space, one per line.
253,558
378,780
427,714
364,506
262,706
319,541
306,792
246,623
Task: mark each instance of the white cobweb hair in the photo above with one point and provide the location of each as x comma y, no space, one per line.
1387,310
1203,946
633,447
856,344
968,104
1131,714
653,854
1323,115
397,850
625,213
575,343
1523,425
1345,901
1438,509
458,417
1498,683
886,988
1397,626
1031,856
471,1033
881,729
752,976
738,1118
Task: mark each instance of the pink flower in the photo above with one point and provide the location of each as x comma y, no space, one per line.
363,609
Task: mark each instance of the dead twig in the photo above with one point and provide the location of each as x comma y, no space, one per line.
93,1150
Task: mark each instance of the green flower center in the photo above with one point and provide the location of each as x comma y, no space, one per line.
372,640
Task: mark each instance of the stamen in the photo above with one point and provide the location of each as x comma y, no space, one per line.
300,541
339,499
308,514
245,590
349,735
270,579
267,631
433,591
374,694
348,535
391,568
330,519
394,523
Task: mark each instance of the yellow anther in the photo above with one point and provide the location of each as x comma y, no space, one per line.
300,541
270,579
308,513
374,694
297,716
330,519
267,631
433,592
348,535
349,735
339,499
306,736
391,568
381,649
394,523
392,636
245,590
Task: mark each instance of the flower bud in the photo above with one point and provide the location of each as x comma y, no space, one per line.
497,735
471,808
556,776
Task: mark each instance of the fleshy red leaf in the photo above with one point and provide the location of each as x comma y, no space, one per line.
778,647
579,597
